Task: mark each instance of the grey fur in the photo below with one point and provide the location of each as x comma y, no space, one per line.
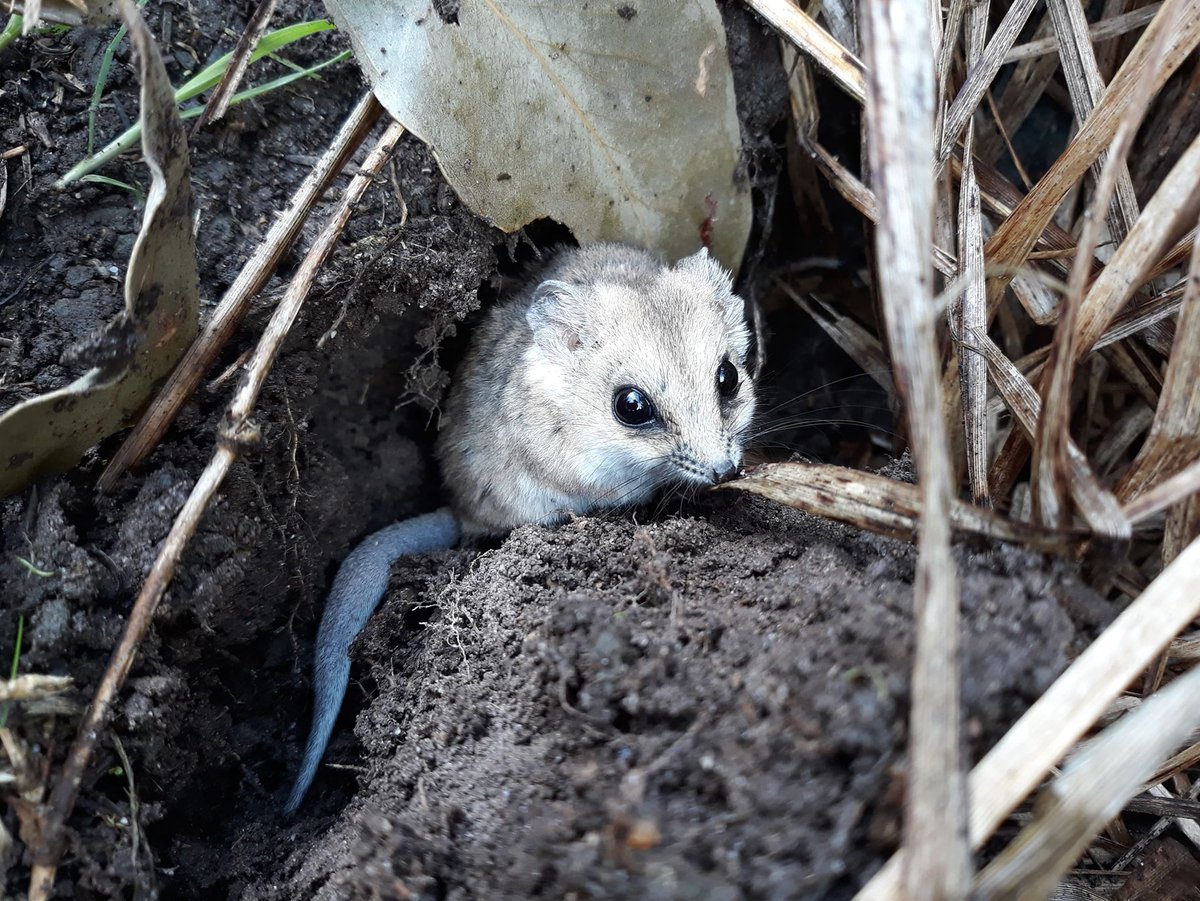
528,434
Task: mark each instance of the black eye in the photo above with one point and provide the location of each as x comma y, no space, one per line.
727,379
632,407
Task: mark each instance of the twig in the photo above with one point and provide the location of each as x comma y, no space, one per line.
218,103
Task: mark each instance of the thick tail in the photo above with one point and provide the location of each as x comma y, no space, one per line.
360,583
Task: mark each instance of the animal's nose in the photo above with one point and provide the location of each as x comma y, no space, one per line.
724,472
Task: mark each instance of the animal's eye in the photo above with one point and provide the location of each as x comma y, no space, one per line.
727,379
632,407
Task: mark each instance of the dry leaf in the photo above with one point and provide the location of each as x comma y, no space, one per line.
620,123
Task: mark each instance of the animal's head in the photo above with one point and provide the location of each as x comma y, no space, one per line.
650,367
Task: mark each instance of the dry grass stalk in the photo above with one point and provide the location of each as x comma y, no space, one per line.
1096,505
1025,87
233,306
1085,86
1104,30
1091,791
1174,206
838,63
1070,707
982,74
31,687
1134,294
859,344
236,431
969,317
1051,466
900,126
875,503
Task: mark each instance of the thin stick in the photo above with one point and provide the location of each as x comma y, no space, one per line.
218,103
228,314
235,432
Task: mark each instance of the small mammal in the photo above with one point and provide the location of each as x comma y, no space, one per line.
612,377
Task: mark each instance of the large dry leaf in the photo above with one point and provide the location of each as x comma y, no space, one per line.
51,432
615,120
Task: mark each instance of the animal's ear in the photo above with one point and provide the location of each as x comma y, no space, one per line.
717,278
557,317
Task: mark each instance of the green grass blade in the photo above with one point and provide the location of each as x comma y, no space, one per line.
274,84
202,81
16,661
275,40
102,80
12,30
116,183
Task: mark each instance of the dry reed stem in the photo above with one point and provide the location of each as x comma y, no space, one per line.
862,198
1070,707
1104,30
32,687
1174,439
859,344
840,64
899,125
1096,505
1092,789
1135,851
875,503
1050,480
1085,87
1020,94
1175,204
233,306
982,74
235,432
969,316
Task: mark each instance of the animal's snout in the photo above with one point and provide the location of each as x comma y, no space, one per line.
724,472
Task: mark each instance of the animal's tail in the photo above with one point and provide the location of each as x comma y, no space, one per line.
360,583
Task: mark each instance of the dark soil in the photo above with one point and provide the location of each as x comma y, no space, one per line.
708,702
